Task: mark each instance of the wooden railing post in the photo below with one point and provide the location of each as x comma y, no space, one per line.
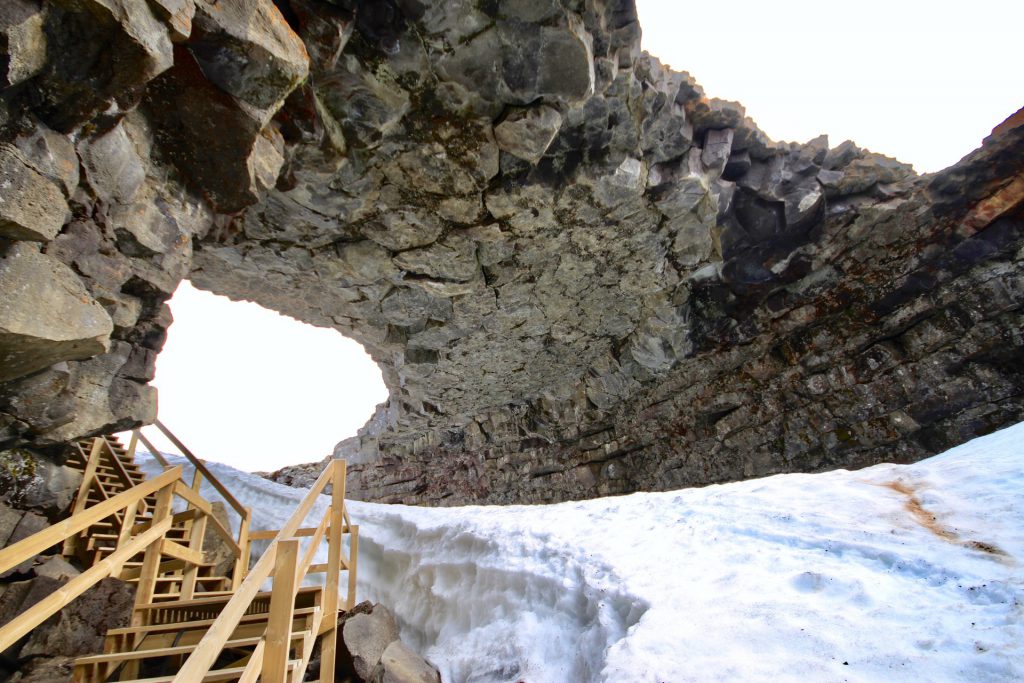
353,561
146,587
282,606
195,542
245,548
328,627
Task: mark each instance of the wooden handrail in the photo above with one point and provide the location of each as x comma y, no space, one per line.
190,495
15,554
200,467
52,603
241,545
153,450
281,559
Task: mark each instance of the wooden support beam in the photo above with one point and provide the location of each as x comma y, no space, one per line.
282,603
200,467
270,534
81,500
195,544
337,512
180,552
353,558
15,554
254,667
146,587
205,655
126,527
58,599
153,450
245,547
314,544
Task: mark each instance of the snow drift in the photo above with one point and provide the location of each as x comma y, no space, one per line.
887,573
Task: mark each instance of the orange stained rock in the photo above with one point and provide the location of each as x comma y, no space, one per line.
1002,201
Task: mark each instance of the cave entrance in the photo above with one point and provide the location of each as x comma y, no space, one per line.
257,390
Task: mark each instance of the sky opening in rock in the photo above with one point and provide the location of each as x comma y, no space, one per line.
923,82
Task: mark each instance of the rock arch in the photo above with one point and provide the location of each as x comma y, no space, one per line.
579,274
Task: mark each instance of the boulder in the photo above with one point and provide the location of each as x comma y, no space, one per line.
365,636
51,154
101,54
80,627
32,207
214,106
22,41
216,550
399,664
45,670
57,568
9,518
30,481
46,314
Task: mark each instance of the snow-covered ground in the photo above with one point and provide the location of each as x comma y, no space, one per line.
892,573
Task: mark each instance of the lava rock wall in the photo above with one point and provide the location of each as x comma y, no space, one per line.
578,273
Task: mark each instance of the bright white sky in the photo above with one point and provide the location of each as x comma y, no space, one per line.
246,386
921,81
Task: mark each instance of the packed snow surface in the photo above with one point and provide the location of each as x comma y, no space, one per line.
891,573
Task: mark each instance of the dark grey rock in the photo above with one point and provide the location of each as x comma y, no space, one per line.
527,133
30,481
22,41
32,206
46,314
80,627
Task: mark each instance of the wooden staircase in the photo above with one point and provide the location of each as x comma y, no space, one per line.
187,625
108,468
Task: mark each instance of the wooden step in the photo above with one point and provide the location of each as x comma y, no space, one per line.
198,624
231,674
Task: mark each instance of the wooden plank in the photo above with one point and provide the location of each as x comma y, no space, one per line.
337,511
254,667
58,599
353,559
192,498
81,500
146,587
282,603
153,450
314,544
245,546
200,661
126,527
180,552
172,628
198,464
230,674
15,554
133,443
195,543
118,467
305,650
270,534
165,567
159,652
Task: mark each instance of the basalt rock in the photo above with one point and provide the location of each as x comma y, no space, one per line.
578,273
